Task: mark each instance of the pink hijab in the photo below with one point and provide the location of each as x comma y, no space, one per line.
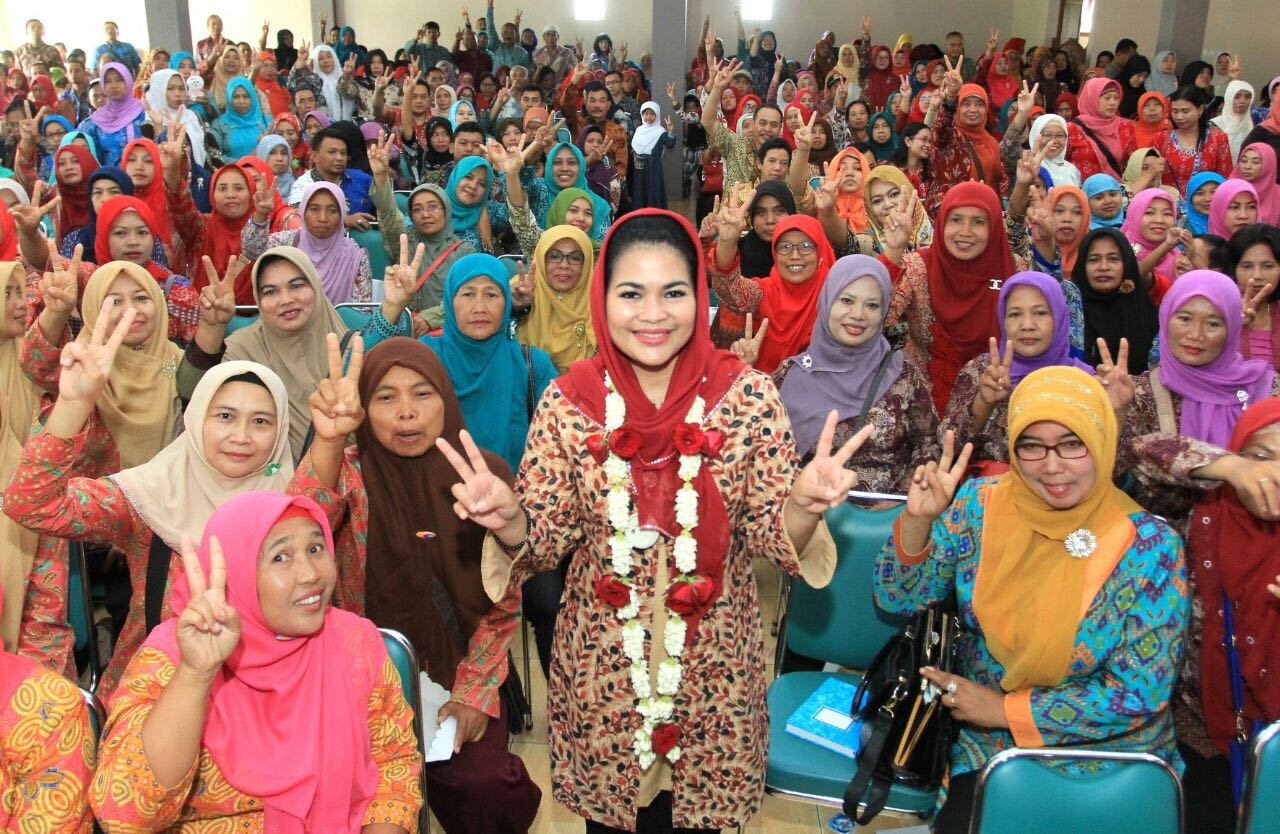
1222,198
337,257
1107,130
288,718
1132,228
1265,186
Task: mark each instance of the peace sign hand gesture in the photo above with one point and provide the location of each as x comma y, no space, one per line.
380,158
996,383
953,81
1040,218
993,40
748,347
825,197
1114,376
218,299
1253,302
60,287
87,366
522,287
934,484
208,628
264,201
804,134
481,496
27,218
1027,99
335,406
904,89
399,281
1029,165
825,482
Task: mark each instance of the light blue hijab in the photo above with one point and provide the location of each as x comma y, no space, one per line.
1100,184
244,129
1198,223
601,212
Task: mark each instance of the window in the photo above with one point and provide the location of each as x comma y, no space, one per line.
588,9
757,9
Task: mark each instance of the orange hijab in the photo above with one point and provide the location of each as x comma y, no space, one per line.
792,308
1145,131
1072,248
849,205
985,147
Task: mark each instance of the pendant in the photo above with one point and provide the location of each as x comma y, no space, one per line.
1081,543
169,368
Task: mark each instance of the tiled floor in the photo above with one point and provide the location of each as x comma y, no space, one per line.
778,816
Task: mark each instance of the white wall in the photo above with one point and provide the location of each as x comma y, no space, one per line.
242,19
82,29
1227,29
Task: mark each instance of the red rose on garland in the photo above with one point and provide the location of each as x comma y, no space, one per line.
613,591
714,439
685,598
689,439
624,442
598,447
665,736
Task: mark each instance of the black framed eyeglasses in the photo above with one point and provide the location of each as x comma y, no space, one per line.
1071,449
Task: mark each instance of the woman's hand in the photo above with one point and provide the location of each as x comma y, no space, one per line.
482,496
824,483
1114,376
472,723
336,411
522,287
1257,484
27,218
993,41
173,148
1029,165
732,218
400,281
899,227
218,299
1040,221
996,384
380,159
934,484
264,201
1027,100
208,628
509,163
1253,303
804,135
60,287
86,366
748,347
968,701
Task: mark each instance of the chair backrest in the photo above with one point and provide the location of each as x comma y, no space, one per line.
401,652
1124,793
355,316
1262,784
245,316
371,240
402,201
841,623
80,609
512,263
97,715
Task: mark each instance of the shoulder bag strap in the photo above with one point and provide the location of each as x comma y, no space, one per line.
168,284
422,279
977,163
873,741
529,404
159,556
869,400
1164,404
1102,146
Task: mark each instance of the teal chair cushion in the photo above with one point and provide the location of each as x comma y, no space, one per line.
841,622
239,322
512,263
371,240
76,595
355,317
803,768
1022,794
402,201
1262,796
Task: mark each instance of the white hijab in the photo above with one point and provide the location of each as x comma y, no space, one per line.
1060,171
157,101
647,135
1237,127
338,108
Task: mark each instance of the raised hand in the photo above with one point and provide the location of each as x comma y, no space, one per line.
993,41
27,218
667,123
482,496
824,483
748,347
866,27
953,81
380,158
1253,302
1040,218
934,484
60,287
522,287
304,51
671,94
1027,99
622,51
1233,68
264,200
208,628
804,134
401,280
996,383
725,72
172,149
381,82
335,406
825,197
733,214
86,366
1029,165
509,163
899,227
904,89
218,298
1114,375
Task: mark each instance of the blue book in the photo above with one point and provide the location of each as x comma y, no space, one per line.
824,718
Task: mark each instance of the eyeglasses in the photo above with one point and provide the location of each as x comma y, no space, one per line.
806,248
429,208
1049,137
555,256
1072,449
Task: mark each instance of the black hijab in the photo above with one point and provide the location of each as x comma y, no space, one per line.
1127,312
357,152
432,158
286,55
1191,70
1130,94
755,251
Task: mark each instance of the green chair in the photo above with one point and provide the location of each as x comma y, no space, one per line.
80,613
1262,784
371,240
355,316
512,263
401,652
245,316
402,201
1132,793
97,715
838,624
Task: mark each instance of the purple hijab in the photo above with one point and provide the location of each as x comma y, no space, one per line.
117,114
1059,350
1132,227
1211,394
337,257
829,375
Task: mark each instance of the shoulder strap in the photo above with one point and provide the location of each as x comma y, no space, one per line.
870,399
1164,404
158,558
422,279
977,163
529,404
168,284
1102,146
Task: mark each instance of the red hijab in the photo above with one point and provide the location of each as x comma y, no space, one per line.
1236,555
73,211
1145,132
961,296
154,194
287,720
269,84
805,114
107,214
985,146
792,308
301,151
8,234
1106,129
221,241
1070,99
881,83
45,83
700,370
743,101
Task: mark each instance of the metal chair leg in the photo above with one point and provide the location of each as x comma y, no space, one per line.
784,594
528,675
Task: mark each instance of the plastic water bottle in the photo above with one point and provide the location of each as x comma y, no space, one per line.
840,823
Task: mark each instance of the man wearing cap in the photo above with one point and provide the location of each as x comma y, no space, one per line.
561,59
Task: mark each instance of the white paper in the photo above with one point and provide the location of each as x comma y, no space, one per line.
437,739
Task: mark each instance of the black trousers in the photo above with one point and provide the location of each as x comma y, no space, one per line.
541,598
957,812
656,819
1206,793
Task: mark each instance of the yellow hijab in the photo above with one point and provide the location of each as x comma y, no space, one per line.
19,403
140,403
850,70
922,231
1031,593
561,324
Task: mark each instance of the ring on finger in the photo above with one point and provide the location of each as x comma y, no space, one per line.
952,687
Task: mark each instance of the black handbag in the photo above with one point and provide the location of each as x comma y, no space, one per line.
906,732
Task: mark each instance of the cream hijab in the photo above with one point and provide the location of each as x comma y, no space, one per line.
140,404
177,491
560,324
19,404
301,358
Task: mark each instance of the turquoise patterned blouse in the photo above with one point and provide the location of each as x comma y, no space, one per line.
1117,693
